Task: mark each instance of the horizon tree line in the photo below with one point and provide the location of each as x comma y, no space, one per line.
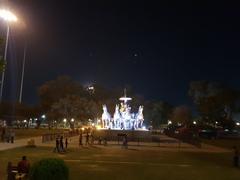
65,98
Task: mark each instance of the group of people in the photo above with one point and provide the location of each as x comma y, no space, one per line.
7,135
89,138
22,168
60,144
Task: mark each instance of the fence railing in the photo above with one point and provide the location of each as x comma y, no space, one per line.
52,136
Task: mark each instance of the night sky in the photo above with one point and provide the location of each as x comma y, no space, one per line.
157,48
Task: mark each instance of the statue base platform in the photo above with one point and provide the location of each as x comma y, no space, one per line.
115,134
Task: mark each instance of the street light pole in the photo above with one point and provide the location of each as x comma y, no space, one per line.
23,70
5,61
7,16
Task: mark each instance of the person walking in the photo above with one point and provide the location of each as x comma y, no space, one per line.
125,142
3,134
61,144
87,139
7,134
235,156
12,135
57,145
80,138
66,143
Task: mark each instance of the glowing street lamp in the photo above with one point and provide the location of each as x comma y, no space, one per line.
64,120
72,120
7,16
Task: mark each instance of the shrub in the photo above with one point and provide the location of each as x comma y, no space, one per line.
49,169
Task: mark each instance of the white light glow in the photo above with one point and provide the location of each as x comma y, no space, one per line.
43,116
169,122
7,15
194,122
123,117
64,120
238,124
91,88
72,120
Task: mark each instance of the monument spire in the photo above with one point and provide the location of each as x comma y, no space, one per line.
125,99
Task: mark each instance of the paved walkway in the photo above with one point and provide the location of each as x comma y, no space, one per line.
19,143
166,144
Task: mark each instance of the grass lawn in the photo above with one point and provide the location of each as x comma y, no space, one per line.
225,143
26,133
116,163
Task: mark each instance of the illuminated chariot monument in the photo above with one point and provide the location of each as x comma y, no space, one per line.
123,118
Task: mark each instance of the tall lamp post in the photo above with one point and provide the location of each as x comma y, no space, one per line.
8,17
23,70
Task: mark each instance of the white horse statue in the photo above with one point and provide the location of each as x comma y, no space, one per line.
106,118
140,117
116,117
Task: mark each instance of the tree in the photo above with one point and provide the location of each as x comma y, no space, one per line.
157,113
75,107
182,115
52,91
214,101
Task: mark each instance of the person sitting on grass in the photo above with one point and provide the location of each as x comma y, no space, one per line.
23,165
10,173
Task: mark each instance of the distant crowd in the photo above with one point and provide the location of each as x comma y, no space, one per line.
7,135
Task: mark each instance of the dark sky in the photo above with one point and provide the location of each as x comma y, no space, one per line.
157,48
